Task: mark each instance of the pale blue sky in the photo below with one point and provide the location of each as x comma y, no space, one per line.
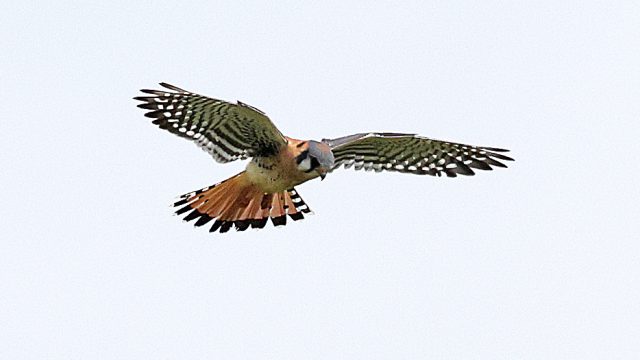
538,261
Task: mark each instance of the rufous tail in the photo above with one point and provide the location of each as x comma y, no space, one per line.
238,203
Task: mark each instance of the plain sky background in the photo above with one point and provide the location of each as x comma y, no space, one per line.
538,261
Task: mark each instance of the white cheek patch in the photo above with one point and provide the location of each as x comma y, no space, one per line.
305,164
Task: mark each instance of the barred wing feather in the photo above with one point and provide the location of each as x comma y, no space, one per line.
410,153
227,131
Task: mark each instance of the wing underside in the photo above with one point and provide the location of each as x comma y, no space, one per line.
410,153
225,130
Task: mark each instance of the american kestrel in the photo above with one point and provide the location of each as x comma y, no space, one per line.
265,189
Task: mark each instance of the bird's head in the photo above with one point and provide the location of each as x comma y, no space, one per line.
317,157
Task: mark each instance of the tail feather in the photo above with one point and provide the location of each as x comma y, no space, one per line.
238,203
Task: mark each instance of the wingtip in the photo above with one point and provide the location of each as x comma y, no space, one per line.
171,87
495,149
152,92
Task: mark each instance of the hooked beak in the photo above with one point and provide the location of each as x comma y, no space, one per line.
322,172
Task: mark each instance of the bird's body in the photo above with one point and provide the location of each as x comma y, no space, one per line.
265,190
279,172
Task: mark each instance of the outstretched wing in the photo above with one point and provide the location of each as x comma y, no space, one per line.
227,131
410,153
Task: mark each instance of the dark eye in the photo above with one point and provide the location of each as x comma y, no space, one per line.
303,155
314,163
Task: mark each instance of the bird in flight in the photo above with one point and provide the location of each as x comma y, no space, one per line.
266,188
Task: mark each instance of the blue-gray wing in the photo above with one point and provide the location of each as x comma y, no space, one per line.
225,130
410,153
